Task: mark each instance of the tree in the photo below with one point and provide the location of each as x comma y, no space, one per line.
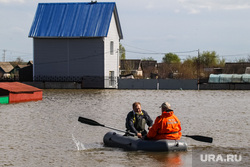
149,58
221,63
209,59
170,65
18,60
189,68
122,52
171,58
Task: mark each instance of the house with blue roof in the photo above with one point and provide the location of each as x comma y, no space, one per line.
77,42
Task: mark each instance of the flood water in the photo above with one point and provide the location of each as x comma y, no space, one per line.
47,133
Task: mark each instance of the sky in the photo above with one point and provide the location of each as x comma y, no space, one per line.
151,28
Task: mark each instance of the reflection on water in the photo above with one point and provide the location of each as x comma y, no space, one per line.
168,159
47,133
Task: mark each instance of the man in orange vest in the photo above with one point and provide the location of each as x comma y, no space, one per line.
166,126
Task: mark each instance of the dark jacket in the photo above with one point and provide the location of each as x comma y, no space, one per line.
135,123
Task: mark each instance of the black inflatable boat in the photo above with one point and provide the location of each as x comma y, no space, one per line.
112,139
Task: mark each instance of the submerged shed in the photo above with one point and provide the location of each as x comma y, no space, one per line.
14,92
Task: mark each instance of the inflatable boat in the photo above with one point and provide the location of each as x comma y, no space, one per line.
112,139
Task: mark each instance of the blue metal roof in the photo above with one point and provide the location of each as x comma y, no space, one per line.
74,20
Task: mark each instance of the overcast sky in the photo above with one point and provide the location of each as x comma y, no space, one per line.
150,27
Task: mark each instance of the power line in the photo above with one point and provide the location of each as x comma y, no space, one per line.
20,52
138,48
239,54
154,52
12,54
191,51
146,51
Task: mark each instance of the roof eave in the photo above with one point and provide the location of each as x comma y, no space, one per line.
118,22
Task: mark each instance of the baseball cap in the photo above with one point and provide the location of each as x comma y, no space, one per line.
165,105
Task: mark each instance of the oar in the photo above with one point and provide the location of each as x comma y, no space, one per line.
200,138
94,123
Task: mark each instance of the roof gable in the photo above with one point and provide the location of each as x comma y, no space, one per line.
130,64
148,64
73,20
6,66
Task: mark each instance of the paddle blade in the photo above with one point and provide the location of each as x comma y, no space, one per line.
89,121
201,138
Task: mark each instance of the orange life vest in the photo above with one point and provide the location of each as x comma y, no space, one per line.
166,126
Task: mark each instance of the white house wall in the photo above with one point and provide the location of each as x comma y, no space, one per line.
111,62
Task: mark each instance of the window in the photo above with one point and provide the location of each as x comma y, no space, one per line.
111,78
111,47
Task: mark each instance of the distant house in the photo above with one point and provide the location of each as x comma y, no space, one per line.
235,68
22,71
138,68
131,66
77,42
25,72
163,70
30,63
149,68
16,69
5,69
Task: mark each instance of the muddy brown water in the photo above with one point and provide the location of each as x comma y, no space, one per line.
47,133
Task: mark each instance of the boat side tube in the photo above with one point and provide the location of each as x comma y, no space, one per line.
162,145
112,139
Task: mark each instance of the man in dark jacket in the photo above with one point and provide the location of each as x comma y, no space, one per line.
137,119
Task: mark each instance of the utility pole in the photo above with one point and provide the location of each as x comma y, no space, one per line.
4,55
198,70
